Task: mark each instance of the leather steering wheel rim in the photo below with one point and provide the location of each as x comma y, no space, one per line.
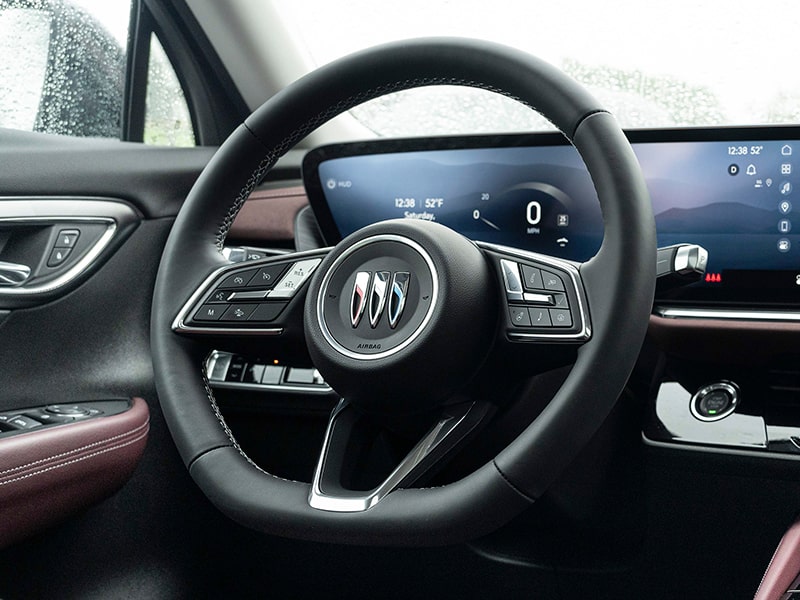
619,282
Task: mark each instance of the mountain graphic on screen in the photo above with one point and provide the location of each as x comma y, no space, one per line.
719,217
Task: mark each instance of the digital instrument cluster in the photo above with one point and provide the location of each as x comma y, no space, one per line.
729,190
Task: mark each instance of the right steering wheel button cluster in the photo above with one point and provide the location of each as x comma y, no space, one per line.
541,298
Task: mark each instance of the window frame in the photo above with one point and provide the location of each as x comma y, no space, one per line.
215,106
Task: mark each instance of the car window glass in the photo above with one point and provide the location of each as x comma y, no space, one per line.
654,64
167,121
67,75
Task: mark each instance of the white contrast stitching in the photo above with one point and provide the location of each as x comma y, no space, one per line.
275,151
75,460
76,450
227,430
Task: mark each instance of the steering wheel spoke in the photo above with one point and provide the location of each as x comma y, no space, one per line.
250,299
350,432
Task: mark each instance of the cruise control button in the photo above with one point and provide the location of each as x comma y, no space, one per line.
58,256
210,312
560,317
294,278
268,311
219,296
540,317
266,277
239,279
519,316
552,281
238,312
532,278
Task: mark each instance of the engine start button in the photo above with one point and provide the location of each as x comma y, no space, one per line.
714,402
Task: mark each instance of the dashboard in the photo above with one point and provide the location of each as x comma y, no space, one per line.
729,190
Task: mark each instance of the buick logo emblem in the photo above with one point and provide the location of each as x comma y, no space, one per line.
374,293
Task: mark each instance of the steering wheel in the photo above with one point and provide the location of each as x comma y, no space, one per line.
399,315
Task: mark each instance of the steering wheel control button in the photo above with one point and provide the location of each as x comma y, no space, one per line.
530,298
210,312
238,312
247,296
560,317
58,256
266,277
560,301
540,317
512,279
239,279
519,316
531,278
268,311
67,238
294,278
715,402
552,281
219,296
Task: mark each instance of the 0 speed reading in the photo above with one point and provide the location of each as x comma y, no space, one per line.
412,203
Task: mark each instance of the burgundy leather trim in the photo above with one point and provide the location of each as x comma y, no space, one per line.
726,341
49,474
269,215
784,567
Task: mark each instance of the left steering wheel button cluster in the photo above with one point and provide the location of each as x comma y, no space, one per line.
253,294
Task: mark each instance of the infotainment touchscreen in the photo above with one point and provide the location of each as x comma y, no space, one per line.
734,197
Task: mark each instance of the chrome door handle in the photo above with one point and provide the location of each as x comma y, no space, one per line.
12,274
